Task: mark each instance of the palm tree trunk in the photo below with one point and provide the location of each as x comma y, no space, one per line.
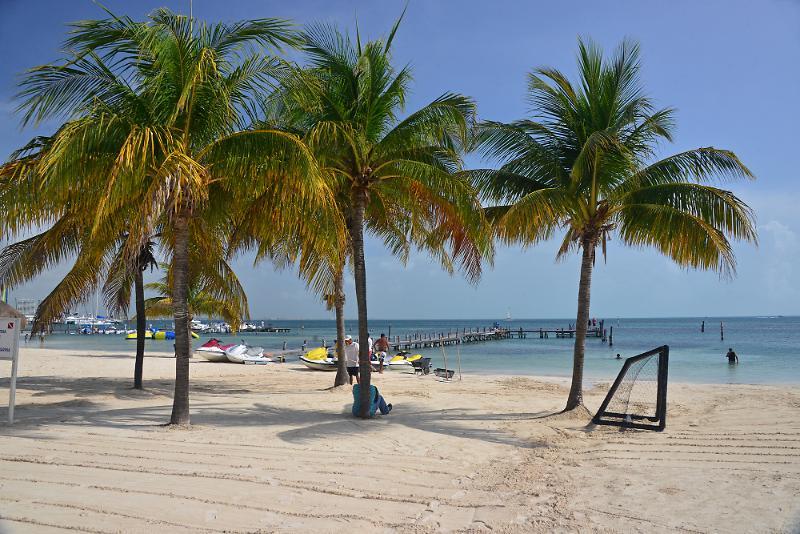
359,267
575,398
189,333
180,270
141,326
338,303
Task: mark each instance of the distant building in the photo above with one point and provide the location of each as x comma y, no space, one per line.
27,307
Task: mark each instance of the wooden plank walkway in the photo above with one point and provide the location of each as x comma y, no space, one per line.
426,340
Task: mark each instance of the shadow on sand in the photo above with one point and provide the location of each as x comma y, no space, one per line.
87,408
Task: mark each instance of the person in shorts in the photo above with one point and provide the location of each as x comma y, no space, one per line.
381,350
351,357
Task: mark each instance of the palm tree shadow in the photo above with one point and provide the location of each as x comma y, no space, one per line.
455,422
216,409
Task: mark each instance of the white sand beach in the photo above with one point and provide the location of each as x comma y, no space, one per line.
273,449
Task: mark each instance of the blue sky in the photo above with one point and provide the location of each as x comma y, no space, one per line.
729,67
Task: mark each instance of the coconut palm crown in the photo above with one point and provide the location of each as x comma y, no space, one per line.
585,164
393,177
214,296
159,117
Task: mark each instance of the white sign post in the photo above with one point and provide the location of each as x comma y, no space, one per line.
9,350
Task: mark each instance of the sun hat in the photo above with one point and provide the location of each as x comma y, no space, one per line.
348,338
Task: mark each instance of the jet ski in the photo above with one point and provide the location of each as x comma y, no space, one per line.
319,359
243,353
213,350
402,361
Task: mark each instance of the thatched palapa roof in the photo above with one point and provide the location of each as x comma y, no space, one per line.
6,310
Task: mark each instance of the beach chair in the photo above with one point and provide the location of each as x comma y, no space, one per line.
444,373
422,366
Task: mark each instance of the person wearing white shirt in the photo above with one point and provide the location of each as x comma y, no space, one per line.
351,357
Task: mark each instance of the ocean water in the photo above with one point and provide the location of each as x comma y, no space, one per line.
768,347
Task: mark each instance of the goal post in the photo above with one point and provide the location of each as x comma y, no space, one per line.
638,396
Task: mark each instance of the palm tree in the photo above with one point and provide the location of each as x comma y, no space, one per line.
584,163
22,261
335,301
117,291
206,296
159,118
395,178
97,258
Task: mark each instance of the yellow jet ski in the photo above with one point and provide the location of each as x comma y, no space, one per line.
319,359
402,361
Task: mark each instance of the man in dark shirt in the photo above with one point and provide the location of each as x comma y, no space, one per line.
732,357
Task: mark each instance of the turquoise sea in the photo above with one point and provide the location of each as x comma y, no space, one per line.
768,347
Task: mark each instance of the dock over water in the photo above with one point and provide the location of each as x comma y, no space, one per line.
476,335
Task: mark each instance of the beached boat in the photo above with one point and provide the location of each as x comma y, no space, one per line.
402,361
241,353
213,351
319,359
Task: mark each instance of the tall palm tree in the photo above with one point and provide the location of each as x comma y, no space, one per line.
392,177
159,117
584,164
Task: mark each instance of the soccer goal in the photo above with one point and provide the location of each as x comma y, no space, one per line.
638,397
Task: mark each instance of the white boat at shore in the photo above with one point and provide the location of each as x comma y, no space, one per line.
213,351
245,353
402,362
319,359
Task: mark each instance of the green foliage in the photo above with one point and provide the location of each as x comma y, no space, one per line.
348,106
214,291
585,163
159,122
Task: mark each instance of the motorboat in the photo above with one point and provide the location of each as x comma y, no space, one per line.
402,361
245,353
213,350
319,359
198,326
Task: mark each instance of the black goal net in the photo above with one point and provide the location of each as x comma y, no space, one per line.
638,397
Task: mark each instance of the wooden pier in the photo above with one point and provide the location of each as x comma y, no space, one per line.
557,333
427,340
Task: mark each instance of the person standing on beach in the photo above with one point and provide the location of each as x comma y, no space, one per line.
381,349
351,357
732,357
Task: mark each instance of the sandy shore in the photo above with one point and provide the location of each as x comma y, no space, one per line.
272,448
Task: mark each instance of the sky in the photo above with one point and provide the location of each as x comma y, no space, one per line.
729,67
